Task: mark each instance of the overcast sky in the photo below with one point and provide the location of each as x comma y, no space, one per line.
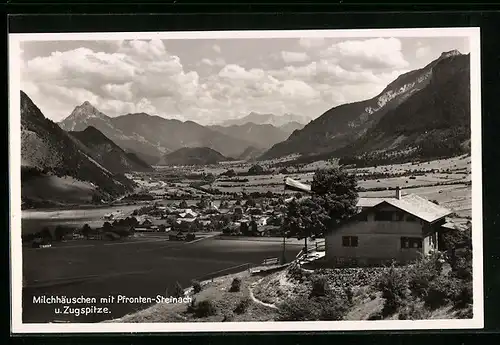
208,81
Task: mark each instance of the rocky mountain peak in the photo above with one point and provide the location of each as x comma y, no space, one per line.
453,52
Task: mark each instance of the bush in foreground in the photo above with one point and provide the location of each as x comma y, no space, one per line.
393,285
196,286
205,308
319,287
326,308
235,285
243,306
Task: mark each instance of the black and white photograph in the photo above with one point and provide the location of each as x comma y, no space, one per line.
246,180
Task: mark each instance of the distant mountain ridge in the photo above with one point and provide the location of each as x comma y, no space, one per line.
107,153
192,156
258,135
360,127
47,150
152,136
267,119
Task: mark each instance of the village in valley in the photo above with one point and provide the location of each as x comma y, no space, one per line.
390,225
361,212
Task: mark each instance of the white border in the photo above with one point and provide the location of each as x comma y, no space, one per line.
17,326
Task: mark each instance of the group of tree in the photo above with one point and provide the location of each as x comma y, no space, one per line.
256,170
334,198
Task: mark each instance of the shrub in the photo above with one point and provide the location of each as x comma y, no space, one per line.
235,285
423,272
243,306
326,308
413,311
393,286
191,308
331,309
196,286
319,286
349,294
464,297
461,264
441,291
205,308
297,309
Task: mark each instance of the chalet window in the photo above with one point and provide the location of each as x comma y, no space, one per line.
349,241
411,242
383,216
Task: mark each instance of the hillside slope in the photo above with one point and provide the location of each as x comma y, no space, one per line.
432,123
107,153
47,150
344,125
192,156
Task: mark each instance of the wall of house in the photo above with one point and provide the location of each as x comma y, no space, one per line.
378,241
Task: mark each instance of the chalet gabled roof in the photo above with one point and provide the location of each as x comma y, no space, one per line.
418,207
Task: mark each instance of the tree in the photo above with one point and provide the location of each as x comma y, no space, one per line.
255,170
229,173
183,204
334,199
336,191
305,218
107,226
86,230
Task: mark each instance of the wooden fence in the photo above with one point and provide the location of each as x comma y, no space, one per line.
230,270
271,261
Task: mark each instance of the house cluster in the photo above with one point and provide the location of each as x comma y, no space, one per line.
232,218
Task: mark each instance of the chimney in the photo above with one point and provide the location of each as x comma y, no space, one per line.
398,193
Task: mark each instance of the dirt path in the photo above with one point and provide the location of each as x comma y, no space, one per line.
250,292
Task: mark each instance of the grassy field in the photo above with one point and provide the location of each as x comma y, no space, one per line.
139,268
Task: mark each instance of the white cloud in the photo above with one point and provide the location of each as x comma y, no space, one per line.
375,53
219,62
290,57
311,42
216,48
422,52
143,76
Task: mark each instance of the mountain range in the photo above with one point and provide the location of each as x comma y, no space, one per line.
151,137
416,112
62,165
267,119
